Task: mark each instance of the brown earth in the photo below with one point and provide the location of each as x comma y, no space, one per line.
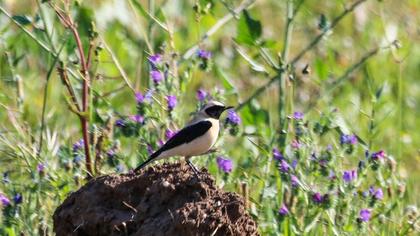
161,200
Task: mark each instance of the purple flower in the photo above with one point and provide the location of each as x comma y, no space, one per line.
331,175
365,215
119,168
225,165
150,149
137,118
17,198
78,145
156,76
277,155
139,97
329,147
4,200
283,211
148,95
40,167
155,59
294,180
203,54
317,198
349,175
296,144
378,155
298,115
111,153
294,163
284,166
120,123
348,139
378,194
169,134
201,95
233,117
171,100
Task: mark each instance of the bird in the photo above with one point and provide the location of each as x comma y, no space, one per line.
196,138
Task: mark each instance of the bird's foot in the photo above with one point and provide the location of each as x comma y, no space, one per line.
194,169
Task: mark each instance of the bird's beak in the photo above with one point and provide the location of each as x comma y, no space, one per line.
228,107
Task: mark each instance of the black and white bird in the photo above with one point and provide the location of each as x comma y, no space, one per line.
196,138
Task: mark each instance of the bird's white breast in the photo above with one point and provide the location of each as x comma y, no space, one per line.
198,145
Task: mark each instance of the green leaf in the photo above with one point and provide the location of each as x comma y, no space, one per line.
23,20
224,79
321,69
254,65
249,30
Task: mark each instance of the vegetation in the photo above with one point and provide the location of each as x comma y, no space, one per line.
322,139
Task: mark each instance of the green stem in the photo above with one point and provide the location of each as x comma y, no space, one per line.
283,81
312,44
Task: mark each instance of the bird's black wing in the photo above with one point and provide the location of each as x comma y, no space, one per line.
187,135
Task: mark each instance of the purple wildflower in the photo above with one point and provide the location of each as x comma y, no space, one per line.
365,194
40,167
148,95
294,163
4,200
156,76
171,100
201,95
119,168
150,149
111,153
294,180
365,215
378,194
298,115
378,155
225,165
349,175
139,97
120,123
317,198
331,175
203,54
296,144
284,166
78,145
137,118
17,199
283,211
169,134
277,155
155,59
348,139
233,117
329,147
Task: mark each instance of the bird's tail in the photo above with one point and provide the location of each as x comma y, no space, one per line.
148,161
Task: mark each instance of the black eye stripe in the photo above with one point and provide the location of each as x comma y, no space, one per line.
213,109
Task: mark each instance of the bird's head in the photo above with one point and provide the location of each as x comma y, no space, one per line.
214,109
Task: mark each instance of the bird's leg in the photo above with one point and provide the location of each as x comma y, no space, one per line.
194,169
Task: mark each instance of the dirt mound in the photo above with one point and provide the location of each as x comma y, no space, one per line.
162,200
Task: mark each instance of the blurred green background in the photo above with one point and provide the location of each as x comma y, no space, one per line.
126,31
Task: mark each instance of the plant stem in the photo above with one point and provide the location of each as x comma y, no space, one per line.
244,5
283,81
85,100
312,44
